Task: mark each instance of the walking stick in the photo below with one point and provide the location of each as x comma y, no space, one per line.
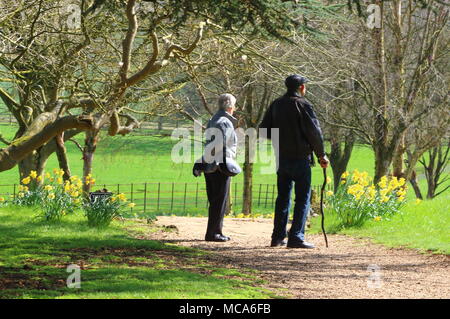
321,204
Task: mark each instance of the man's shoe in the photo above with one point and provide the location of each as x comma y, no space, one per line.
226,237
300,244
278,243
218,238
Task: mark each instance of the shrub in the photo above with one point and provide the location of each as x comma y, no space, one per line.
55,196
358,199
102,210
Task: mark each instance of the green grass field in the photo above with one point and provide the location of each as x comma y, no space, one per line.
124,164
34,256
424,226
139,159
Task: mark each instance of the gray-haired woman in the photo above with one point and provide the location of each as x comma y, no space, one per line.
220,155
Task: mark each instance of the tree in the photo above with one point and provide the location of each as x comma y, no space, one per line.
390,67
83,76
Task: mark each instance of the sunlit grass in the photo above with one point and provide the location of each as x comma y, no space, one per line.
425,226
34,256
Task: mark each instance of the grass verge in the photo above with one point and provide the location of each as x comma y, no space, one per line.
424,226
34,256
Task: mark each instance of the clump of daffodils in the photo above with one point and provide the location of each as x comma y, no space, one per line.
58,197
359,199
102,210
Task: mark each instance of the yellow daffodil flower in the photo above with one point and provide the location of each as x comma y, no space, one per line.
75,194
26,180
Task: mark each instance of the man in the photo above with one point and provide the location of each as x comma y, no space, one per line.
218,164
299,136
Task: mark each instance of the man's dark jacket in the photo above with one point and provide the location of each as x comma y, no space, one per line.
299,129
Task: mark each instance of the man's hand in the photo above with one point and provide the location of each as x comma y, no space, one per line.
324,161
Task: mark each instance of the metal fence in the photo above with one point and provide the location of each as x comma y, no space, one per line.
175,197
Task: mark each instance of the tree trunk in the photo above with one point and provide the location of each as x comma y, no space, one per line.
339,158
383,160
398,159
36,161
248,182
37,136
90,145
415,185
61,153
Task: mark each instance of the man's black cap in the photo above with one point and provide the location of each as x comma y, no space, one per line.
294,81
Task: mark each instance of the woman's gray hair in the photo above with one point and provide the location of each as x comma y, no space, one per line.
226,101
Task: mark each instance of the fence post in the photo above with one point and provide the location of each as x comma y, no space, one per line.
184,203
267,195
196,196
235,193
171,202
159,190
259,195
273,194
131,196
14,196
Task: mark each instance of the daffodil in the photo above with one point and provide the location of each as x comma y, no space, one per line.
75,194
21,195
383,182
26,180
131,205
48,187
330,193
39,179
122,197
51,196
47,175
345,174
377,218
59,180
33,174
418,201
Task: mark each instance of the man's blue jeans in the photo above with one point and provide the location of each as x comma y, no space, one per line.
289,172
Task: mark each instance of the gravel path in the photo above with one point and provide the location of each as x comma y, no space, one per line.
341,271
